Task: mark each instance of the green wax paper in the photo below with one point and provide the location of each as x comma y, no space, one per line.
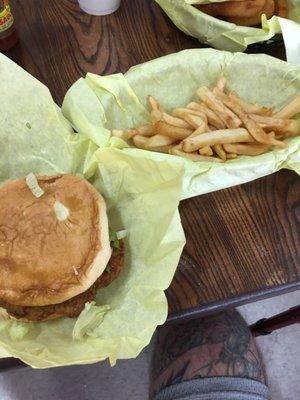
173,81
218,33
35,137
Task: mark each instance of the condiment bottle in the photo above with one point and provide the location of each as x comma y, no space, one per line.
8,34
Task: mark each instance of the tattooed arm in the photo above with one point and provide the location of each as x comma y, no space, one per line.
220,345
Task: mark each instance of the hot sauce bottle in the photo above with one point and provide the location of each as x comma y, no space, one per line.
8,34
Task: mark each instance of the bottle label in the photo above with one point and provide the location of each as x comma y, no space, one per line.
6,18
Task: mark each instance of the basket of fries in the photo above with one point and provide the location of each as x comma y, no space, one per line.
227,118
231,25
219,127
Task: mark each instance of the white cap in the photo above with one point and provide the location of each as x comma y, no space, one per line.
99,7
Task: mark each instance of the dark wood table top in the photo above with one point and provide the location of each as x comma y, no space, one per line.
242,242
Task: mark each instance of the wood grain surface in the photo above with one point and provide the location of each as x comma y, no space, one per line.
243,242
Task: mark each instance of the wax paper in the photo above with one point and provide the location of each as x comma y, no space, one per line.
34,135
142,197
218,33
173,80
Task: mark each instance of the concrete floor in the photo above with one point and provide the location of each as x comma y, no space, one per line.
129,379
281,349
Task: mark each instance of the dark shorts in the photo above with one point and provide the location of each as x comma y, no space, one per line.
216,389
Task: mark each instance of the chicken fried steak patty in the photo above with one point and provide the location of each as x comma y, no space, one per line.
72,307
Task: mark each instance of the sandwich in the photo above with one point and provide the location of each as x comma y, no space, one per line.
55,247
245,12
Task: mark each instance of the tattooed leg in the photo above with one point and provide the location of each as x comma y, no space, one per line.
219,345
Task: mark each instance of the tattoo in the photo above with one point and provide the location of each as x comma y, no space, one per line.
176,376
220,345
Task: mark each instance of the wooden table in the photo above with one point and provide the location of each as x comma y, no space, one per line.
243,242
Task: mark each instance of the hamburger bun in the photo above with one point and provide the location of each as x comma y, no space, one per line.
72,307
54,247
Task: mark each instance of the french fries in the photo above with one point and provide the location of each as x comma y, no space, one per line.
250,108
292,129
230,156
174,121
143,142
227,116
206,151
175,132
271,122
290,109
156,115
221,83
220,127
218,149
254,129
154,104
201,129
145,130
140,141
160,140
185,112
195,121
192,156
246,149
125,135
212,118
216,137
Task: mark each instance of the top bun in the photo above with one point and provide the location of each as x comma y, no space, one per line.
54,247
